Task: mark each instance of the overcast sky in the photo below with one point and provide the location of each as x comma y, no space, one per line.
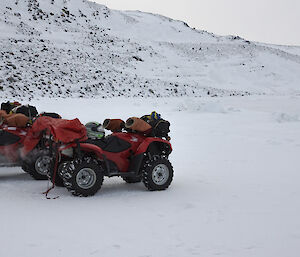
270,21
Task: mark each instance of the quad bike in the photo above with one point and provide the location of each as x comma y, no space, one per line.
34,162
13,134
81,163
17,148
132,156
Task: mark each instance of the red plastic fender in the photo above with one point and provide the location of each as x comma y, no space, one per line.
144,146
92,148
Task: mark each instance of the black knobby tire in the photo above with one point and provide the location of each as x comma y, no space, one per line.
83,177
157,173
60,166
37,164
58,180
132,180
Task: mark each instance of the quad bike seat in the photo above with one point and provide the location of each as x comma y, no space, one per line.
98,142
111,144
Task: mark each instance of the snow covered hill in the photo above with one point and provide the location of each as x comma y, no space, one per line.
236,159
63,48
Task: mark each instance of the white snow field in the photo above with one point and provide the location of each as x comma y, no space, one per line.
235,191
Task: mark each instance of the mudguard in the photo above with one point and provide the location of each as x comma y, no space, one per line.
151,145
86,147
151,141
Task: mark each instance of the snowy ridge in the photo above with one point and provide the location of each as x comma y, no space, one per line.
62,48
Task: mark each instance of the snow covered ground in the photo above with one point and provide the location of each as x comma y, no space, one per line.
235,192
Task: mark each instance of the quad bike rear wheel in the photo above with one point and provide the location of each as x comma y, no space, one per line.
37,164
157,173
83,177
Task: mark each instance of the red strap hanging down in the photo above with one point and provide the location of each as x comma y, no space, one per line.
53,179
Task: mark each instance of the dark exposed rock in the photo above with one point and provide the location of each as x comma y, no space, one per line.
11,79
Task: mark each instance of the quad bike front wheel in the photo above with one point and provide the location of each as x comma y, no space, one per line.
157,173
83,177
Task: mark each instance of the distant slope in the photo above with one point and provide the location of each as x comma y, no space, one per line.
79,48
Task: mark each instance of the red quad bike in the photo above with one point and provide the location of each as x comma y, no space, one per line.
132,156
82,164
34,162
